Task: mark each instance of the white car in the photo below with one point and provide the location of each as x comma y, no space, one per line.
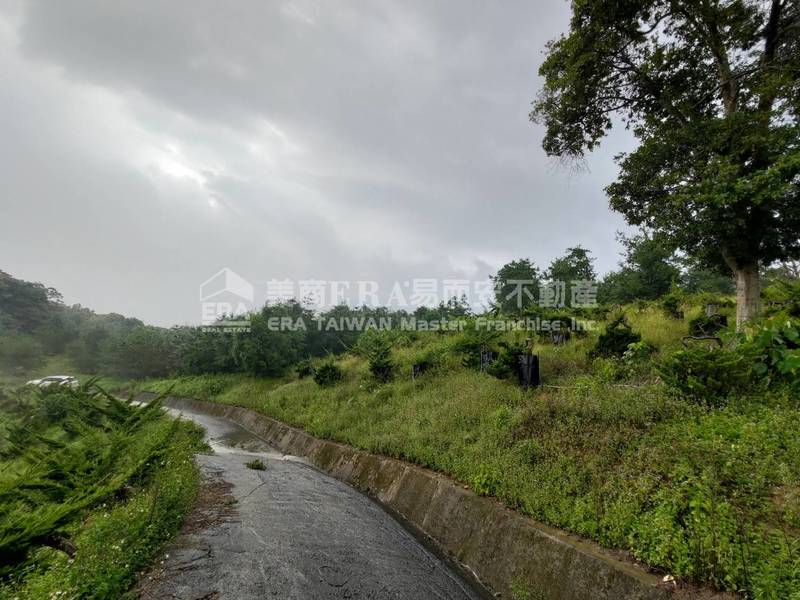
58,380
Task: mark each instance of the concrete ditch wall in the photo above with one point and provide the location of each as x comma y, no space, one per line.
500,547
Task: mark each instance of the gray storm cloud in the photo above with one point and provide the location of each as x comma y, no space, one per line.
147,145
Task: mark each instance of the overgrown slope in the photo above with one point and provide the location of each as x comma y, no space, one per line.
603,449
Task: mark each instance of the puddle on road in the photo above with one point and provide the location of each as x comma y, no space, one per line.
244,440
226,437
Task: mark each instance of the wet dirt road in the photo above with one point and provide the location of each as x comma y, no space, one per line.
290,532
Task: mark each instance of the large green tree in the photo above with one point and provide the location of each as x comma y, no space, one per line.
577,263
711,90
516,286
647,272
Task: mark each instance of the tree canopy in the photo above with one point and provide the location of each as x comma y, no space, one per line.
710,88
646,273
516,286
576,264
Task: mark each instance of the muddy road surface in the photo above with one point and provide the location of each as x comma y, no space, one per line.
290,532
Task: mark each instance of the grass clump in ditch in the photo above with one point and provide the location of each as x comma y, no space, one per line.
91,488
256,464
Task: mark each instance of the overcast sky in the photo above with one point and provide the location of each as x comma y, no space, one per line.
146,145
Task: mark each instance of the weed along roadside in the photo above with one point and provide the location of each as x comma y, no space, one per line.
91,488
509,553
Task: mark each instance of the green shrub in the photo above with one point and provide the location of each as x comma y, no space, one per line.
472,342
380,362
54,405
376,347
636,360
507,363
304,368
671,304
782,297
707,376
614,341
638,352
705,476
608,370
775,350
429,359
706,298
560,322
328,374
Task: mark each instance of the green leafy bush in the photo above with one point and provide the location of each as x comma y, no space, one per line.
376,347
707,376
484,481
143,352
782,297
635,362
507,362
775,351
472,342
705,476
429,359
637,359
614,341
53,407
304,368
638,352
671,304
328,374
380,361
706,298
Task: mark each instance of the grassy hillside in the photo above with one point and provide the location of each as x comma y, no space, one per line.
90,489
603,448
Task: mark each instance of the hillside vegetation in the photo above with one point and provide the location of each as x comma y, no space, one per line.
660,431
698,477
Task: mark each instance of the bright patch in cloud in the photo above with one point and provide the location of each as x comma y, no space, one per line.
174,168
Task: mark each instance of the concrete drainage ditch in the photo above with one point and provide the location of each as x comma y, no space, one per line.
507,552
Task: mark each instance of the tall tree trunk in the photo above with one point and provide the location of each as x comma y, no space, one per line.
748,293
